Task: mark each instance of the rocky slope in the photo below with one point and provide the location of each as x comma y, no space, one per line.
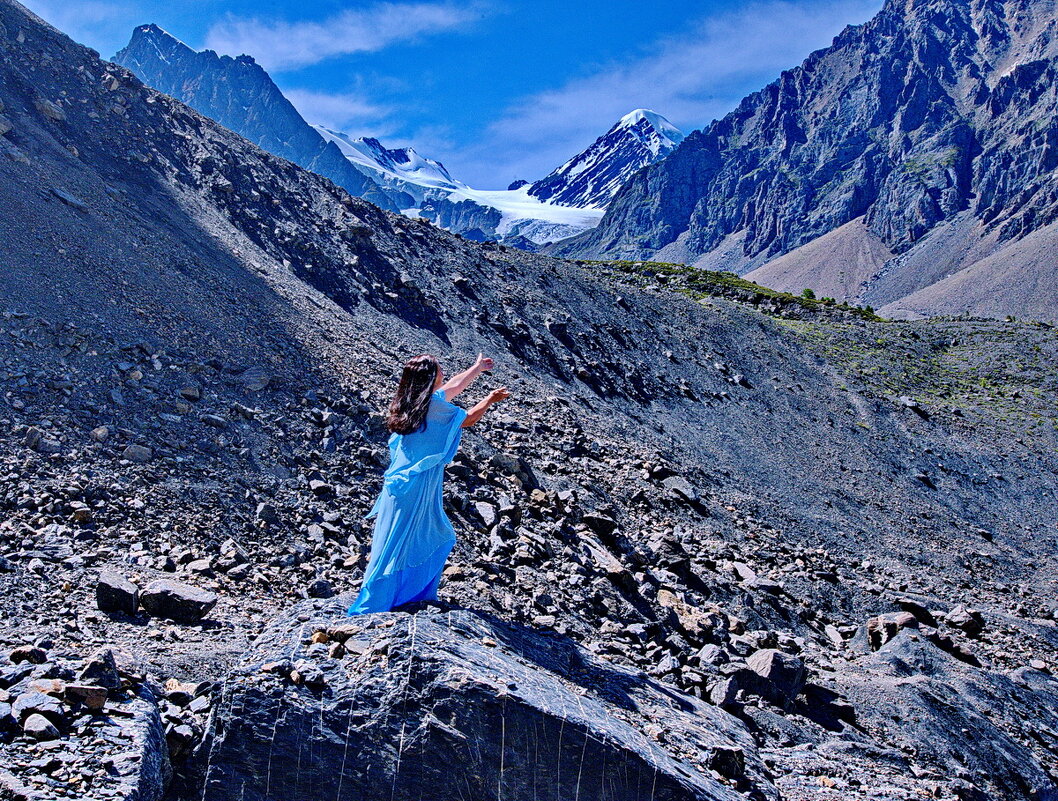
921,146
836,532
591,178
239,94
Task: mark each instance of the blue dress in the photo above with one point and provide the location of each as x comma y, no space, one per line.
412,536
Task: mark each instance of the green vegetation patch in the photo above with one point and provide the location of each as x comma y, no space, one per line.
698,284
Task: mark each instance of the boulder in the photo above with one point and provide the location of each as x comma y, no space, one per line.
138,454
115,593
786,673
40,728
175,601
969,620
101,670
442,704
37,703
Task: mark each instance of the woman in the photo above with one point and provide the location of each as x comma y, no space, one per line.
413,537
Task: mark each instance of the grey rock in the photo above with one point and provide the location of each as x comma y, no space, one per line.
51,110
969,620
175,601
478,687
787,673
139,454
115,593
40,728
37,703
101,670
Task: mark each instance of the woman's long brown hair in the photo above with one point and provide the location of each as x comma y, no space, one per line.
407,410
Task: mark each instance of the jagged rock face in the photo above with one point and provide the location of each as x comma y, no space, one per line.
464,217
440,705
592,178
929,109
239,94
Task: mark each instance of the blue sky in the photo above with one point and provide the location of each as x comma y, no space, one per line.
496,89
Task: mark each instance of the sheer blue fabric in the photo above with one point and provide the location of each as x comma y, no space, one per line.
412,536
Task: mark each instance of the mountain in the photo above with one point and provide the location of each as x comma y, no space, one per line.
400,168
722,543
591,178
910,165
239,94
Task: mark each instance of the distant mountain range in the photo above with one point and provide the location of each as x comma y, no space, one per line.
910,166
240,95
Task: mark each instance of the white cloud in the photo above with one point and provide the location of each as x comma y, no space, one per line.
691,79
341,111
279,45
92,22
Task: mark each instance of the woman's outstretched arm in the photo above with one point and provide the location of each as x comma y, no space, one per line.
459,382
479,409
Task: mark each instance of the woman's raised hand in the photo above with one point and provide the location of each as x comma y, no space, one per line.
500,394
483,363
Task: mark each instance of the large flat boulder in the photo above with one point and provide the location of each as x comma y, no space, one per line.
457,704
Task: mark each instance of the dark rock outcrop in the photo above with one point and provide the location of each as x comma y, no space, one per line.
455,704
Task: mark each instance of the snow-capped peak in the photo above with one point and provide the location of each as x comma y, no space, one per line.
591,178
654,120
401,164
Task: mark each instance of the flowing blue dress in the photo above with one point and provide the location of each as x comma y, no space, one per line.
412,536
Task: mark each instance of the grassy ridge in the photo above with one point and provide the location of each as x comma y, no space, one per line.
698,284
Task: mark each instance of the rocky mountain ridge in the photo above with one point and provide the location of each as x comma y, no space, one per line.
818,530
239,94
909,166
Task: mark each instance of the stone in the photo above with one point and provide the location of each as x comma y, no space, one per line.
495,709
786,672
728,761
267,512
91,696
5,125
191,392
35,702
320,588
680,488
320,488
214,420
40,728
138,454
102,670
255,378
115,593
28,653
179,602
969,620
601,524
883,628
32,438
49,109
487,513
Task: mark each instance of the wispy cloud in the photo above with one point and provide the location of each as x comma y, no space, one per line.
341,111
89,21
691,79
279,45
